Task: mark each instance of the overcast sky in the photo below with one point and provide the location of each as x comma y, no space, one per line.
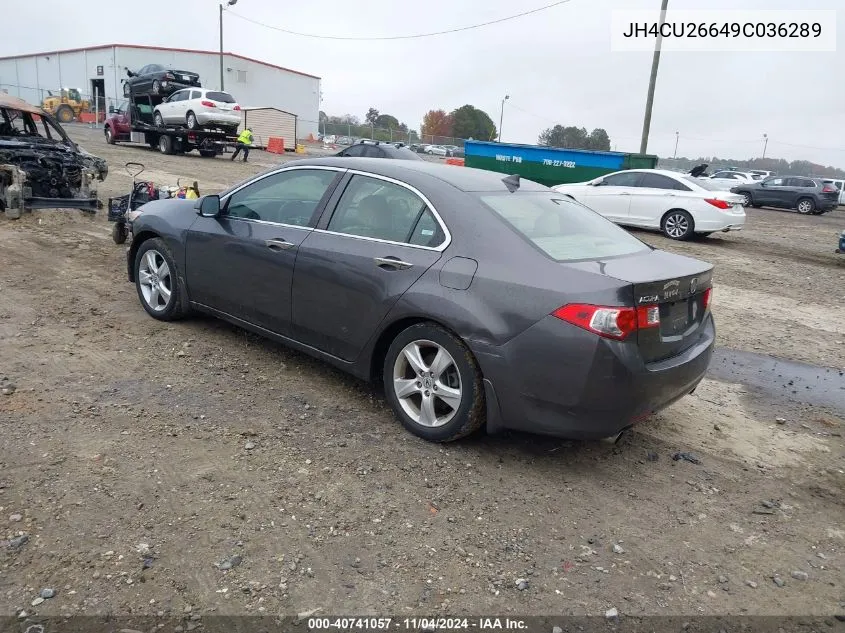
556,66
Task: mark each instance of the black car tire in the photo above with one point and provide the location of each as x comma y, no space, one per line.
178,306
749,199
805,206
119,233
470,413
165,144
64,113
677,217
158,120
109,135
156,87
191,121
127,90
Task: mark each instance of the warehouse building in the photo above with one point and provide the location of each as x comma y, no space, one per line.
100,69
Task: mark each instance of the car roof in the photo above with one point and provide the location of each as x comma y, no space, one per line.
463,178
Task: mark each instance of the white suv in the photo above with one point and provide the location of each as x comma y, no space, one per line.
197,107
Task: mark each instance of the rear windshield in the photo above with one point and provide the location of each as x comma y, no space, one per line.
222,97
561,228
404,152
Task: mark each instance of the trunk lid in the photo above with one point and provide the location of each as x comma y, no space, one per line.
186,76
675,284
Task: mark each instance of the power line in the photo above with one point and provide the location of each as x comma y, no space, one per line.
400,37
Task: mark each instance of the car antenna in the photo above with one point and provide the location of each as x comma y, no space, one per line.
511,182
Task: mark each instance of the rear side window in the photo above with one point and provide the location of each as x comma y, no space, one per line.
221,97
561,228
659,181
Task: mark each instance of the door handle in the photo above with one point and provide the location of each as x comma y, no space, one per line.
278,245
393,262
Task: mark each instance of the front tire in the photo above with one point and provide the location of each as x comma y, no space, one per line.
678,225
158,119
806,206
156,87
747,200
64,114
433,383
160,288
109,135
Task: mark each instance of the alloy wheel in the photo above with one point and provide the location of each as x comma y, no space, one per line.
746,200
805,206
155,280
677,225
427,383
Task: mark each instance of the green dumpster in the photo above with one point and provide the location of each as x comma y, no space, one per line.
551,165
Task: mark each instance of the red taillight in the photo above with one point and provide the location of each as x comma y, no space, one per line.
708,296
237,107
169,76
828,189
208,104
719,204
609,321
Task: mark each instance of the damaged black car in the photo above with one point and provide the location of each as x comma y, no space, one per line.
40,166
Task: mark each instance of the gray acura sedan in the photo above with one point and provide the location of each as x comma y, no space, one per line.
471,297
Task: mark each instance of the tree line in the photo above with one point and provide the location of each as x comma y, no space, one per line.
777,165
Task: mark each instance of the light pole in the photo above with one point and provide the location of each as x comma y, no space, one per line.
502,116
677,135
765,144
649,102
229,3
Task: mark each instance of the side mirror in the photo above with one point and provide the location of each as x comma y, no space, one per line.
208,206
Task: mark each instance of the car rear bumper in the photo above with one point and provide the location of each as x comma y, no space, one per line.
220,118
556,379
730,222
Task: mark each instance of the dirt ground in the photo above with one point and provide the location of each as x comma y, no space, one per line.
137,456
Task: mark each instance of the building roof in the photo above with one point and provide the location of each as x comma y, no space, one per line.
158,48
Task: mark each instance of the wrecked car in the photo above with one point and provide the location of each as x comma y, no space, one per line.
40,166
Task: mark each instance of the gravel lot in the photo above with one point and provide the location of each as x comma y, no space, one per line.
163,469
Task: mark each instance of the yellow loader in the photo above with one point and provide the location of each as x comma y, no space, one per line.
67,106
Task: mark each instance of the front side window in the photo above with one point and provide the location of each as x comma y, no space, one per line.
287,197
561,228
623,179
776,182
382,210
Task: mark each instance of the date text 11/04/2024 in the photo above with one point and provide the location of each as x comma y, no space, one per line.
505,158
481,624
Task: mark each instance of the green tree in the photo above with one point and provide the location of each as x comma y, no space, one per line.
570,137
371,116
387,122
470,122
598,140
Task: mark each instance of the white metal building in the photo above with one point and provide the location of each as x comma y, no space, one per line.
100,69
267,123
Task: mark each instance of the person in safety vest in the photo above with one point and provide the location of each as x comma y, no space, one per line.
244,141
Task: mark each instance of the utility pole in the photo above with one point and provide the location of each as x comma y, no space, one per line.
655,62
765,144
677,135
229,3
502,116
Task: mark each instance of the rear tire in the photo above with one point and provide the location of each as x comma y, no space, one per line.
156,87
677,224
127,90
119,233
748,199
191,121
433,383
162,290
805,206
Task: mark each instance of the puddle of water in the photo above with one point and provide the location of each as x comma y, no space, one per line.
800,382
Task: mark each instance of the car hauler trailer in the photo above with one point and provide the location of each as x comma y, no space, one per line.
136,124
551,165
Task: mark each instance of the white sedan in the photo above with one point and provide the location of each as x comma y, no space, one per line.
197,107
727,179
679,205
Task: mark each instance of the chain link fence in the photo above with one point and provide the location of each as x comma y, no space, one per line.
346,133
67,104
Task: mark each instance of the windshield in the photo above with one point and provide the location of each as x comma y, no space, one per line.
222,97
708,184
561,228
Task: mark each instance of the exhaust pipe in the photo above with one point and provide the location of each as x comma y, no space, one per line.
614,439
